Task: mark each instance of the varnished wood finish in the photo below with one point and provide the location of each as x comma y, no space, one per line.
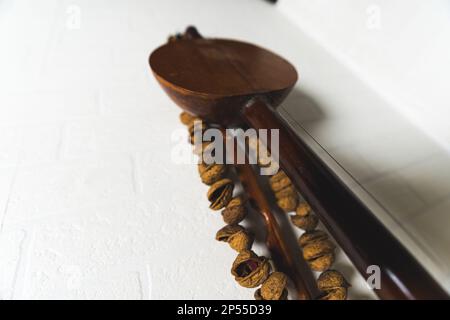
355,228
218,67
295,267
213,78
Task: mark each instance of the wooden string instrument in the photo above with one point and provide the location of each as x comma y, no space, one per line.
234,83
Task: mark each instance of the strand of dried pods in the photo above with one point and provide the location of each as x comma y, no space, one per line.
248,269
317,247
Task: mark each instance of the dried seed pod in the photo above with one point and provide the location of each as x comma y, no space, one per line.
220,193
283,296
319,254
278,176
279,181
226,232
249,270
312,236
237,237
335,294
187,118
241,240
196,125
234,215
288,203
235,202
307,223
331,279
274,286
235,211
286,192
303,209
210,173
333,285
322,263
317,249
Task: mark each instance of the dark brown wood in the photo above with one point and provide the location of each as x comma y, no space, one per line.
219,80
221,67
360,234
295,267
192,33
213,78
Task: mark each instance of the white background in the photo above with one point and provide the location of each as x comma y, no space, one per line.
399,47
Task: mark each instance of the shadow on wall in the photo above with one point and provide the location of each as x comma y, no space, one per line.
302,107
308,113
397,165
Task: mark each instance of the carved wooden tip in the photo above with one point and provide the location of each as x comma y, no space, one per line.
192,33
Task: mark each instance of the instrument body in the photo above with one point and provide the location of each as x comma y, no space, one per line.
215,78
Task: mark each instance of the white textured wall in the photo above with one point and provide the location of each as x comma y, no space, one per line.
400,47
374,104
